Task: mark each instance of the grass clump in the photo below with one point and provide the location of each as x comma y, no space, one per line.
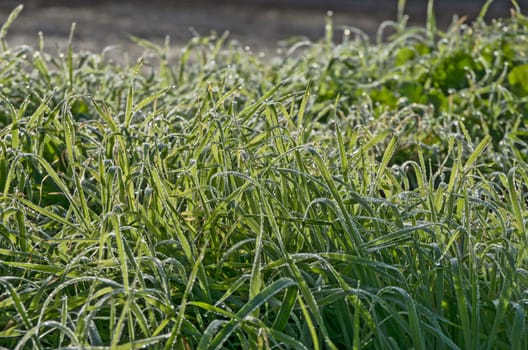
343,195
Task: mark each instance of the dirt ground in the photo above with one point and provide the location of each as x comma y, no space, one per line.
259,24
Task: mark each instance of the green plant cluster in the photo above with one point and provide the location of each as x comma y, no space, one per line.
345,194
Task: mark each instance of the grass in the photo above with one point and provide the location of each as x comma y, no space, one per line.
345,194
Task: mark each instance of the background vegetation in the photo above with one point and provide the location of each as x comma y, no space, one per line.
349,193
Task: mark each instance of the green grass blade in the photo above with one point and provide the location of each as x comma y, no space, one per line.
5,27
387,156
263,297
175,333
288,302
70,56
477,152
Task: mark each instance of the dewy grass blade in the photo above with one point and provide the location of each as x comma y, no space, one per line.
250,110
123,161
159,186
15,128
462,303
175,333
518,337
129,106
417,334
263,297
255,282
501,305
123,261
106,115
226,96
47,213
145,343
117,332
516,207
210,331
297,275
287,304
5,27
36,118
351,229
216,310
357,325
146,44
302,109
70,56
149,99
283,339
64,319
477,152
431,20
28,266
401,10
22,232
309,323
387,155
70,137
64,188
342,153
18,304
484,10
32,334
40,65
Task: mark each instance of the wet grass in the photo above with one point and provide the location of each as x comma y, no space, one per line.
348,193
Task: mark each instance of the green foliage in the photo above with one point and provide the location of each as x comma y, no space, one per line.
340,195
518,79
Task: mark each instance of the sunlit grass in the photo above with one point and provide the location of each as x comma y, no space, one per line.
345,194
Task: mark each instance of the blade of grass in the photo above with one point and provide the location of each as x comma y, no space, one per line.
70,57
5,27
176,331
263,297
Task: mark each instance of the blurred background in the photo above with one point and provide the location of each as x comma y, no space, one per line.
258,24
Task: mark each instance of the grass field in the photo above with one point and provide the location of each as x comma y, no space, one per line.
350,193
